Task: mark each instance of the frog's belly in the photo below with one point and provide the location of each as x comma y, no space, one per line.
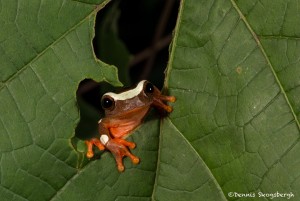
121,128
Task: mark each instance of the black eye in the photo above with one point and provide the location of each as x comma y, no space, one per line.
107,103
149,88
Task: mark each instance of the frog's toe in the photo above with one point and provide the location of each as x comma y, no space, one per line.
119,149
119,162
134,159
171,99
90,143
131,145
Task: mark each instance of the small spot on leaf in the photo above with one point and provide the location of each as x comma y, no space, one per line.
239,70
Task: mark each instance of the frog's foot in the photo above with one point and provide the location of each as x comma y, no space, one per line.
118,148
90,143
159,102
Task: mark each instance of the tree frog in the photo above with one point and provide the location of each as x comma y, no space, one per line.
123,113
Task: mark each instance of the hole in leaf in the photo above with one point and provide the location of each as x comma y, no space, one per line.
88,100
134,36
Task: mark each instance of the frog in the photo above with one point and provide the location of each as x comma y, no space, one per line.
124,112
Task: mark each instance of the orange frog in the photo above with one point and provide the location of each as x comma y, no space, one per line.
123,113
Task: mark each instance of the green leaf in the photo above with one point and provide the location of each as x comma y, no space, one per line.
234,68
235,124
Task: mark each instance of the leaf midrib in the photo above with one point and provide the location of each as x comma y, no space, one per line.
260,46
170,63
200,158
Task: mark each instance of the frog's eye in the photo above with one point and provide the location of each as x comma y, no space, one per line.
149,88
107,102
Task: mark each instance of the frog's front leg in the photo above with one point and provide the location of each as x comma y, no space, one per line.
118,147
90,143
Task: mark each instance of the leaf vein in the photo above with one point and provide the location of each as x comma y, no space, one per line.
46,49
194,150
267,60
12,192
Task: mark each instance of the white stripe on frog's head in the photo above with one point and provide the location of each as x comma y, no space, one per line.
127,94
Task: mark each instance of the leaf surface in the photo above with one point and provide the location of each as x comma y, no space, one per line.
234,68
